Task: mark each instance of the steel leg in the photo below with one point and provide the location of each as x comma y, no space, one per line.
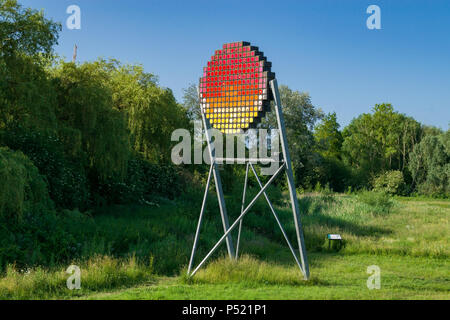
242,209
197,233
290,179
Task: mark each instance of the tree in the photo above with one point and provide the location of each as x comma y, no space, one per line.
152,112
328,137
88,121
330,169
25,31
26,41
191,102
153,121
430,164
23,189
300,117
391,182
378,142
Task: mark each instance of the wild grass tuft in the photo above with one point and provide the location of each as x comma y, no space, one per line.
249,270
381,202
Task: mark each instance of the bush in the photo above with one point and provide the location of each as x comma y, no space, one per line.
39,239
144,181
30,231
22,187
390,182
335,173
66,179
381,202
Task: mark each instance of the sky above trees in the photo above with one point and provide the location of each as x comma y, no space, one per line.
320,47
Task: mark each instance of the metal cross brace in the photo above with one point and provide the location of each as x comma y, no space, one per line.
237,220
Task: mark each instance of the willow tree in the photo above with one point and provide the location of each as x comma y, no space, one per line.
300,117
152,111
88,120
26,41
430,164
22,187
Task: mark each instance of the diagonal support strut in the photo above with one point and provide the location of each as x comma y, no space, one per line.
239,219
278,221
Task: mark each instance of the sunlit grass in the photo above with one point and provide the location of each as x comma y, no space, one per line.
410,243
98,274
334,276
250,270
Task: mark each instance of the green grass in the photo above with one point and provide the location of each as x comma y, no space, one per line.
334,276
142,252
97,274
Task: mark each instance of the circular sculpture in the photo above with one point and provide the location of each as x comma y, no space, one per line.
234,90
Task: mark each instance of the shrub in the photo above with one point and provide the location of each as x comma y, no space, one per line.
381,202
31,233
143,181
66,179
162,180
327,194
40,238
390,182
22,187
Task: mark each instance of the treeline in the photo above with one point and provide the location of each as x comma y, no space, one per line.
95,131
384,150
73,137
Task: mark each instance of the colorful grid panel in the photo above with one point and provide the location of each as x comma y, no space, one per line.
234,89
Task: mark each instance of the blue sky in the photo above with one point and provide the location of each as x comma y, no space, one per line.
321,47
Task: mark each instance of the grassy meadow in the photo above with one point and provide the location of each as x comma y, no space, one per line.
141,252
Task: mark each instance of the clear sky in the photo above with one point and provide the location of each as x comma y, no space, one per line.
321,47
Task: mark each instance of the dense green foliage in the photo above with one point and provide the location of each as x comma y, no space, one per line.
329,167
300,115
328,137
30,231
88,120
430,164
65,176
23,188
374,143
26,41
80,136
391,182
